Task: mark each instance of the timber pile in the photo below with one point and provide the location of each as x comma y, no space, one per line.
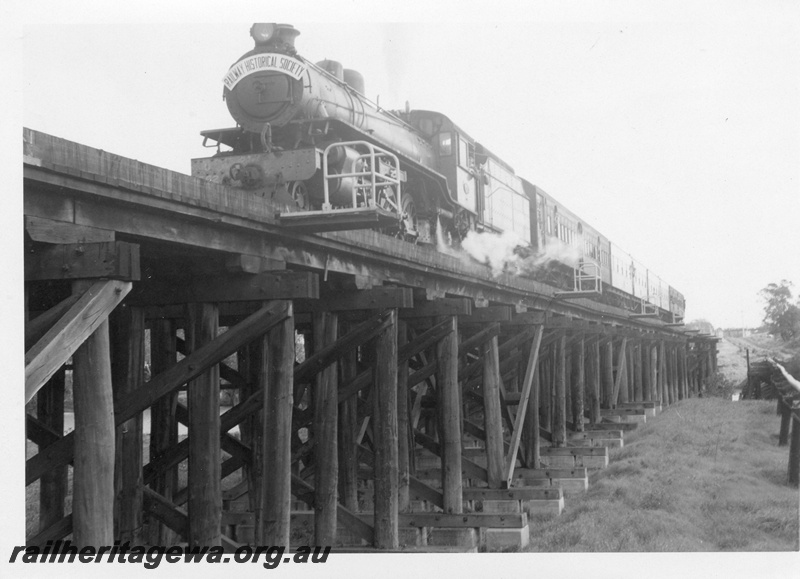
387,394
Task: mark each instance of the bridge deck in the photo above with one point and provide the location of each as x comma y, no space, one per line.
354,358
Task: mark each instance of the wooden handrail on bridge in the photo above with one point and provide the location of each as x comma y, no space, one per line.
789,406
791,380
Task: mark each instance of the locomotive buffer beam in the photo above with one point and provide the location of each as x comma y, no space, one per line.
337,219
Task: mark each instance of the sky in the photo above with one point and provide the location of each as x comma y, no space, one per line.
672,127
675,132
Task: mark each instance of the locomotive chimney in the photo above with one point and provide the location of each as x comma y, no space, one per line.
273,33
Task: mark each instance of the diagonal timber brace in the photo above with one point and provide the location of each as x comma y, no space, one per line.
621,368
54,532
418,489
175,517
312,365
533,359
479,338
305,492
58,344
234,416
60,452
38,326
407,351
469,468
203,358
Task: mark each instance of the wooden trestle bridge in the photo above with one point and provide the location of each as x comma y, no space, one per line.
382,394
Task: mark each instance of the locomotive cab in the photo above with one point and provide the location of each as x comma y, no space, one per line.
484,191
308,139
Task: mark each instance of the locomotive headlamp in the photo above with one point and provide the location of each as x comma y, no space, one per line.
262,33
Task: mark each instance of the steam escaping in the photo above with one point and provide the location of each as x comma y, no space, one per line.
506,252
444,242
496,251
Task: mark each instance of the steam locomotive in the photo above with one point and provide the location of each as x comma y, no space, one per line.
308,138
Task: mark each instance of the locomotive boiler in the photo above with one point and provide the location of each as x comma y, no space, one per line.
309,139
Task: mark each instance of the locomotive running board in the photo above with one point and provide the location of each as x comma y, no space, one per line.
646,310
337,219
573,295
586,283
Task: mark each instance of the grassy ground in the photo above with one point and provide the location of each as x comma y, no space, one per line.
732,355
762,345
706,475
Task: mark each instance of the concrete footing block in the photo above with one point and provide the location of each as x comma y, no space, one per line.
532,482
600,461
572,486
502,506
558,461
502,539
544,507
413,536
608,442
446,536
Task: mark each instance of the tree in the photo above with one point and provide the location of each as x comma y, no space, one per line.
781,316
701,324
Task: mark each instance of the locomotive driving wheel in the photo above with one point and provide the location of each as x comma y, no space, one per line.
299,192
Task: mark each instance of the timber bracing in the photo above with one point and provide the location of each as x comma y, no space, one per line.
372,384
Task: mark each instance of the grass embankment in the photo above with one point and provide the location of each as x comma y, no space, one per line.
705,475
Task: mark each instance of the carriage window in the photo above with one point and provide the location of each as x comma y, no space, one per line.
445,144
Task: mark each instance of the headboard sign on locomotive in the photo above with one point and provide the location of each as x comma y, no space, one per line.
307,138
